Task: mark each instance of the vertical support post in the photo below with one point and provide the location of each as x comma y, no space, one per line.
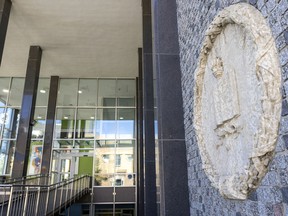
49,129
150,201
140,152
27,113
171,134
5,8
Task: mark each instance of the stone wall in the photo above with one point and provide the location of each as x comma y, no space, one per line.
271,198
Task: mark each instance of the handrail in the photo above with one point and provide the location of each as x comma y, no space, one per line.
22,199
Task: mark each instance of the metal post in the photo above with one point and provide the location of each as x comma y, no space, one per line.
47,200
26,200
10,201
37,201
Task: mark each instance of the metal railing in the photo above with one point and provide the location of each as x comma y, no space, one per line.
30,200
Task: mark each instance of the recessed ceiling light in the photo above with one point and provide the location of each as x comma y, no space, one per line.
121,118
39,117
65,117
42,91
92,117
5,90
80,92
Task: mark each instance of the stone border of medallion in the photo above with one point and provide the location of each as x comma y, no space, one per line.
268,73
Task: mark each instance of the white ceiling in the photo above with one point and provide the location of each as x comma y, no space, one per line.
79,38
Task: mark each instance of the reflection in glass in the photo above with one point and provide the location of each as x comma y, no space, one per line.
107,94
87,92
67,95
6,156
85,123
125,123
63,143
4,90
11,123
105,124
126,102
40,121
126,88
84,143
64,126
16,92
43,92
2,118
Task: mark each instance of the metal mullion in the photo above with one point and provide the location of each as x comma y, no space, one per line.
5,108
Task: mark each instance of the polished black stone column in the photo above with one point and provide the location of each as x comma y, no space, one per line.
140,168
150,202
49,128
171,136
23,141
5,7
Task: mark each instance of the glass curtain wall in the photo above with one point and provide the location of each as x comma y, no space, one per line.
11,92
95,130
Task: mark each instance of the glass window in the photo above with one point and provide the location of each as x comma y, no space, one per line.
39,123
105,124
87,92
2,118
6,156
125,123
64,127
126,88
4,90
43,92
16,92
63,143
84,143
118,160
12,118
85,123
67,95
107,94
126,102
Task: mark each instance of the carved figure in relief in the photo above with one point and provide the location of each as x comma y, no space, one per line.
226,103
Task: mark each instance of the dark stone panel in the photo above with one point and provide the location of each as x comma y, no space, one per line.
23,141
103,194
148,94
284,192
125,194
149,141
4,16
146,7
284,107
165,28
175,188
49,128
147,34
150,188
140,153
170,98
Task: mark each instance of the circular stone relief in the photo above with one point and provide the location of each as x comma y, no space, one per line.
237,101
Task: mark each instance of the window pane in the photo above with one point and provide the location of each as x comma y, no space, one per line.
105,124
87,92
107,94
126,124
63,143
39,123
129,102
104,163
67,95
126,88
4,90
2,118
16,92
11,123
84,144
43,92
35,158
6,156
85,123
64,128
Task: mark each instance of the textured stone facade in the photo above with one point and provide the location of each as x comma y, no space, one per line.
271,198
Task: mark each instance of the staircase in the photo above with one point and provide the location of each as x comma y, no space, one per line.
39,195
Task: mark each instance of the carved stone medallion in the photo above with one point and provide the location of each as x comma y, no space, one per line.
237,100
